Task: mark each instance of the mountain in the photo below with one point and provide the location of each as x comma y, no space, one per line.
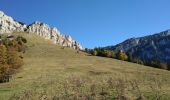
54,73
148,48
9,25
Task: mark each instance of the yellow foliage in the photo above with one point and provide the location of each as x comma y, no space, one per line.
122,56
94,53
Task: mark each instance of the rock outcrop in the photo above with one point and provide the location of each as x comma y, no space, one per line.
9,25
149,48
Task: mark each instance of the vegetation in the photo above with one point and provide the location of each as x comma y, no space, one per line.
11,59
122,56
108,53
126,57
52,73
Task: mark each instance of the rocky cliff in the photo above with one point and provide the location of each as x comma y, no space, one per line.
9,25
149,48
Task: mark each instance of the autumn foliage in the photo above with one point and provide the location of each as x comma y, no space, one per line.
11,59
108,53
126,57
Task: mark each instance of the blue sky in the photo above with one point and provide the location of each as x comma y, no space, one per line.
94,22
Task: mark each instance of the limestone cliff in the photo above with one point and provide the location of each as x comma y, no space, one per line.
9,25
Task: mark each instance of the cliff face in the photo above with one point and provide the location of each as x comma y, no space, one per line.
9,25
148,48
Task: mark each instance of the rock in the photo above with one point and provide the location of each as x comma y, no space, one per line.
148,48
9,25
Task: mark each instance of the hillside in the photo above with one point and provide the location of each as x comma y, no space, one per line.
153,50
51,72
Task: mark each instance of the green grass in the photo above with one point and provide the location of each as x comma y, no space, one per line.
51,72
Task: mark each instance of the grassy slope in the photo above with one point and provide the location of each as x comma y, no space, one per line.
47,66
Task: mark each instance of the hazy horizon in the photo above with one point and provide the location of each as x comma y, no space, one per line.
92,22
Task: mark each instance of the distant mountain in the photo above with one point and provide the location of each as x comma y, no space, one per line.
148,49
9,25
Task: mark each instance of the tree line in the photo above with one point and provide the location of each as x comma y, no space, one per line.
127,57
12,49
107,53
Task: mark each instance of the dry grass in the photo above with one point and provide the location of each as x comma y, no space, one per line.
53,73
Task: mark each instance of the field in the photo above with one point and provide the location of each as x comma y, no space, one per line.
51,72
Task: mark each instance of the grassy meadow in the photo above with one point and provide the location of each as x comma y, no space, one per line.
51,72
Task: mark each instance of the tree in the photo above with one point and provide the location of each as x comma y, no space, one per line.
122,56
159,64
3,63
108,53
11,50
86,50
94,52
15,60
164,66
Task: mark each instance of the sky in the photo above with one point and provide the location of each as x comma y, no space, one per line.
94,23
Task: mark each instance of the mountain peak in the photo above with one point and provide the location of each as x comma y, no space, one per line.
1,13
9,25
39,22
147,48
